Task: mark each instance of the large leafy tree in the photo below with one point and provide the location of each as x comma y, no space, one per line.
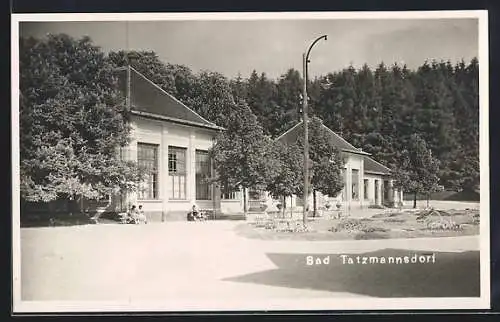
243,154
212,98
464,169
419,169
289,98
326,162
262,97
289,177
73,121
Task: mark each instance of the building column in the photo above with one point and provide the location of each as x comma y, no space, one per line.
163,173
361,183
348,190
131,155
379,192
371,190
391,195
191,170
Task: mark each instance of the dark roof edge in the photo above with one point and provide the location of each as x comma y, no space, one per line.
377,172
175,120
360,152
289,130
171,96
357,151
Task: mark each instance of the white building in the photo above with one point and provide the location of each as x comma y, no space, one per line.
173,142
367,182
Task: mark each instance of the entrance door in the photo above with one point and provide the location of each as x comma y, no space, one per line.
377,201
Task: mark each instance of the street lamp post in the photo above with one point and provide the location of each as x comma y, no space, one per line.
305,58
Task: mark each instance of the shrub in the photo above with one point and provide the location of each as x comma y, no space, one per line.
443,225
395,220
375,230
349,225
290,226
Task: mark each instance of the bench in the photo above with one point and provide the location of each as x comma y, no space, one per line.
209,214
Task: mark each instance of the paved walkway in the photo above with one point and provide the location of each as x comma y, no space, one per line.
177,260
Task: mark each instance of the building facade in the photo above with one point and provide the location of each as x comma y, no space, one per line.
172,142
366,181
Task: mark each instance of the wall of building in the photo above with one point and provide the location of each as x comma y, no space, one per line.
165,134
374,180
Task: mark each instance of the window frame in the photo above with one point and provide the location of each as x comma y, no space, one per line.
209,186
155,188
176,173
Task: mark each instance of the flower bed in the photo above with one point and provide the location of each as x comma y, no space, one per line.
397,224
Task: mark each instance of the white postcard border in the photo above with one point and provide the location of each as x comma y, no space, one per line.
483,302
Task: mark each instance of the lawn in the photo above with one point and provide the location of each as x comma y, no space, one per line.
383,225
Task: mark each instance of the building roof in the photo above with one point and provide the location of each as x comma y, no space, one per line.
150,100
370,165
292,134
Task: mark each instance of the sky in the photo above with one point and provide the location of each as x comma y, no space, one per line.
274,46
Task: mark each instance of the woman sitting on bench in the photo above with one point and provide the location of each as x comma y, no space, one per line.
132,215
193,214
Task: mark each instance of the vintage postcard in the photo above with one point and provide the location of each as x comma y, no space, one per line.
250,161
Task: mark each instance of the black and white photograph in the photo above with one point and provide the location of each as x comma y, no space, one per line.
250,161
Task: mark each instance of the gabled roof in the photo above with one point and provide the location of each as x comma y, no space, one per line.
370,165
150,100
292,135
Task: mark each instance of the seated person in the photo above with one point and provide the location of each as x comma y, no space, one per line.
141,217
193,214
132,215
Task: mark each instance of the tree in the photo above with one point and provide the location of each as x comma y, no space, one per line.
242,153
419,169
289,177
289,97
326,163
262,98
465,167
327,177
435,119
212,98
73,121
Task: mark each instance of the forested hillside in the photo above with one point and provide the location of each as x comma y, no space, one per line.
385,111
